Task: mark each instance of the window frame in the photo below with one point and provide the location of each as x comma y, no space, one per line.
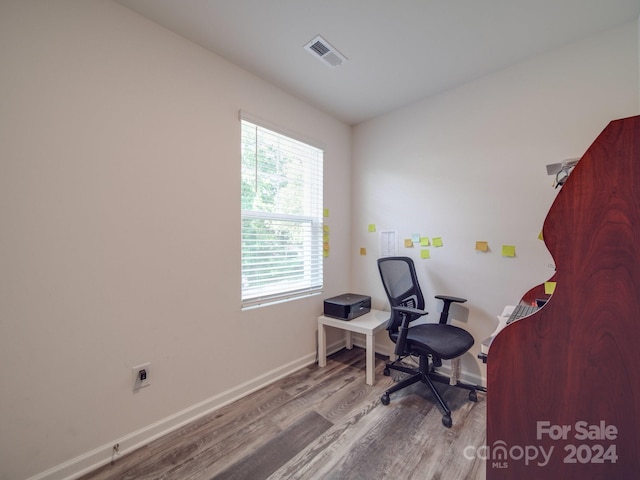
312,257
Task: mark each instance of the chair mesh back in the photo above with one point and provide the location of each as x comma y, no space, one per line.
401,286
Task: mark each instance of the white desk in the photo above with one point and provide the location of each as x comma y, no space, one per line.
369,324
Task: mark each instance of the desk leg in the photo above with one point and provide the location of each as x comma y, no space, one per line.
322,345
348,340
371,359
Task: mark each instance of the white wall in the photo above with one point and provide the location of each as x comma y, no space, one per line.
120,221
119,211
469,165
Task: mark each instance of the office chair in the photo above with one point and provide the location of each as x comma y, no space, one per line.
431,343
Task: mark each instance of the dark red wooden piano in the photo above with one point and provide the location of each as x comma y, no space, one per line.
563,385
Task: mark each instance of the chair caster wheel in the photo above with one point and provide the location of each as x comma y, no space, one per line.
385,399
446,421
386,371
473,396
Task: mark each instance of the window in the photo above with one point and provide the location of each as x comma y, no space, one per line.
281,216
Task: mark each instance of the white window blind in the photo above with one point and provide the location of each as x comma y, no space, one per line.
281,216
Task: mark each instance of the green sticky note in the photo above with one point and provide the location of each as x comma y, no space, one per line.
424,253
325,212
437,241
372,227
549,287
424,241
508,250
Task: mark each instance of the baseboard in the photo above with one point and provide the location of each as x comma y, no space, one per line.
336,347
466,377
360,341
102,455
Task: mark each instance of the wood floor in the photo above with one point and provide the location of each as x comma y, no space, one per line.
320,423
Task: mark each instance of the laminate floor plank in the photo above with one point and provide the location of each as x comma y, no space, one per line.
336,397
222,454
390,447
442,454
326,453
315,395
215,435
320,423
387,447
270,456
350,363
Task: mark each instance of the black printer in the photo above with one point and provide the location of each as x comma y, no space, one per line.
347,306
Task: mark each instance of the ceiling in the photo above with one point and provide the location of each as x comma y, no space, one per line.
398,51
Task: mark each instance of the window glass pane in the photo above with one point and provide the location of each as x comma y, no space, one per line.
281,216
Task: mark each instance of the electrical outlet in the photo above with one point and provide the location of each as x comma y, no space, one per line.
141,376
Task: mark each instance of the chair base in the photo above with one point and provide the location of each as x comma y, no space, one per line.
424,373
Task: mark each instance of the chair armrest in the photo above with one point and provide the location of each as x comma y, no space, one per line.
451,299
413,311
448,300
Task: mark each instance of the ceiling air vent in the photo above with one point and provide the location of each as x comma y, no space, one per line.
322,50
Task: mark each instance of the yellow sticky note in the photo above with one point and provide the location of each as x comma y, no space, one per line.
482,246
325,212
372,227
363,251
549,287
325,237
325,253
424,241
437,241
325,228
508,250
408,243
424,253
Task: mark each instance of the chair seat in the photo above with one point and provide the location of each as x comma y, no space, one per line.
444,341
